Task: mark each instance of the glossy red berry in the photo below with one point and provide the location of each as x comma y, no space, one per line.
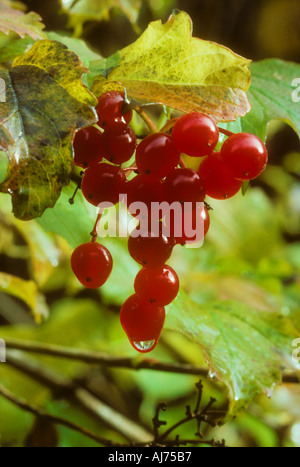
88,147
119,147
110,111
195,134
142,322
185,186
103,183
158,286
245,155
190,228
92,264
156,155
150,250
218,180
147,190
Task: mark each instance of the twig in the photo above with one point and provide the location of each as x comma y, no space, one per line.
22,404
151,125
157,423
91,357
52,418
199,416
128,429
64,387
182,163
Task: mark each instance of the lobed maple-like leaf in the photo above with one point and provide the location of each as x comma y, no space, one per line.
166,65
272,97
46,103
245,348
23,24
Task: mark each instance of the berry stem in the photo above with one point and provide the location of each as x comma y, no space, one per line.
208,206
182,163
127,171
94,233
225,132
71,200
151,125
169,125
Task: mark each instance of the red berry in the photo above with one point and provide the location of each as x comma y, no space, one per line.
245,155
218,180
159,286
103,183
185,186
147,190
156,155
110,112
195,134
149,250
119,147
192,227
88,147
92,264
142,323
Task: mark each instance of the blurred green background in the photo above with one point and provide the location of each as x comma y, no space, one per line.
252,254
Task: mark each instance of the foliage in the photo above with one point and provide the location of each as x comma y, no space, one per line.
45,104
98,10
240,299
13,20
167,65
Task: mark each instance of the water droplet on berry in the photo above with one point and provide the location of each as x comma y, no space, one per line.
144,346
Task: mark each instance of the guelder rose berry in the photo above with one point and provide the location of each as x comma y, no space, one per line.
92,264
195,134
142,322
245,155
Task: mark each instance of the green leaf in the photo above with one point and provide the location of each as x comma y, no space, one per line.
81,11
78,46
271,97
12,47
46,102
245,348
20,23
103,67
3,165
166,65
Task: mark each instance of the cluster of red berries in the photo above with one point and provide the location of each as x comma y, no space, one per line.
161,176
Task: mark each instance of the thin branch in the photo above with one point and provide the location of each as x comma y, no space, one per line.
52,418
22,404
88,356
157,423
97,358
64,387
197,415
